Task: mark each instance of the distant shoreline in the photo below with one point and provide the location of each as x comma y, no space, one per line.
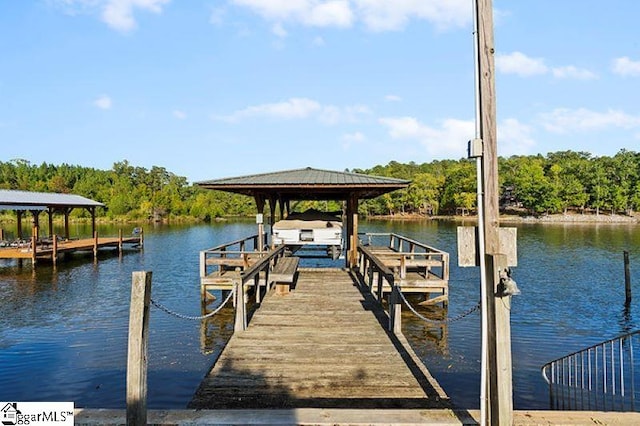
510,218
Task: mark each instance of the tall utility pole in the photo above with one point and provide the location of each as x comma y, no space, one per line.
497,409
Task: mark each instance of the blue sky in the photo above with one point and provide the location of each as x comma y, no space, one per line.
210,89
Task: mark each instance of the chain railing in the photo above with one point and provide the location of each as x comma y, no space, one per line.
189,317
434,321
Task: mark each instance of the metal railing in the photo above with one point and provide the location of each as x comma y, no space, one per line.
600,377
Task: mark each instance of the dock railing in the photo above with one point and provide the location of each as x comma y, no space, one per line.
239,253
405,253
601,377
372,270
259,270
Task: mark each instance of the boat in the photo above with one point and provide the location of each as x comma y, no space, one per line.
311,229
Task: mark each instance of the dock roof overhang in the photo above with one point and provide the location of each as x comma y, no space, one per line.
28,200
307,184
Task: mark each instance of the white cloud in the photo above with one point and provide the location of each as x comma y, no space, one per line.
103,102
287,110
297,109
626,67
180,115
571,72
385,15
520,64
377,15
318,41
514,138
449,140
563,120
278,30
118,14
217,16
392,98
332,13
350,139
524,66
354,137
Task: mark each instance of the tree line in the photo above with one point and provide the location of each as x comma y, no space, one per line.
532,184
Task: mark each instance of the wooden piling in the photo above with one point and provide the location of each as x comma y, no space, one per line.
395,311
34,242
137,352
627,279
240,323
95,244
54,254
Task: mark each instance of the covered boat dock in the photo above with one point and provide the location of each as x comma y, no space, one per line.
281,188
51,245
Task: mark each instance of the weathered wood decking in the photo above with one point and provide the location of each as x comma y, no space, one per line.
51,250
322,345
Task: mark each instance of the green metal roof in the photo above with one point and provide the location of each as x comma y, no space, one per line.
307,184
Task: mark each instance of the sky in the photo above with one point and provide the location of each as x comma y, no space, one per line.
217,88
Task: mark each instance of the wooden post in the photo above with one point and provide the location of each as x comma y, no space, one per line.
627,279
395,311
95,244
120,241
141,242
499,387
34,242
240,323
19,224
92,210
50,214
1,234
54,255
499,357
352,231
203,264
137,352
66,222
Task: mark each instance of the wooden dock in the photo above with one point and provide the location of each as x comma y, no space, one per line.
322,345
37,250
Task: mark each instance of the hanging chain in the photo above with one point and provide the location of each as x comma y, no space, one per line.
193,318
444,321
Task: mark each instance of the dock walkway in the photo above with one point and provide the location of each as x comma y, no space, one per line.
323,345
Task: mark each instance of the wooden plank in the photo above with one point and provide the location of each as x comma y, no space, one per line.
321,346
285,270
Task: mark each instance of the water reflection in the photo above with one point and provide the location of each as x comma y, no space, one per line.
66,326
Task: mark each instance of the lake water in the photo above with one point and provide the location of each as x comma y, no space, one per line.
63,332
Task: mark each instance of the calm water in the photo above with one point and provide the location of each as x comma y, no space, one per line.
63,332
